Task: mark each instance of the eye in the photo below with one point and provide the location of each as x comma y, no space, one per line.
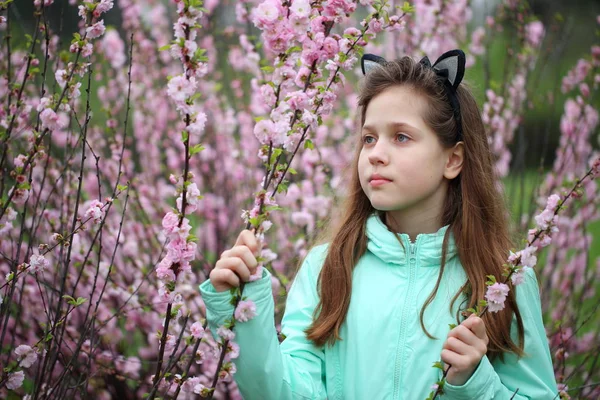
402,137
368,139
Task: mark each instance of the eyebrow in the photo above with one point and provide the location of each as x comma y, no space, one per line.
393,125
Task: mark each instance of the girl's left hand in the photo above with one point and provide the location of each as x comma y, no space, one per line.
464,348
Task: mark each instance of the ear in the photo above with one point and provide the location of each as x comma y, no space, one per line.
455,157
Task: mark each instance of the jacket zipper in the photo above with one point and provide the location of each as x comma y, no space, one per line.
412,261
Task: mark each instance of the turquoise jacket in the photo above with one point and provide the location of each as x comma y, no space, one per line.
384,353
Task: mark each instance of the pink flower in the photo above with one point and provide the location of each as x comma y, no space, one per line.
245,311
170,222
201,390
518,277
265,14
496,295
49,119
164,272
301,8
15,380
104,6
192,198
26,354
37,263
298,100
180,88
266,131
196,128
61,77
534,32
553,201
225,333
545,219
95,211
197,330
95,30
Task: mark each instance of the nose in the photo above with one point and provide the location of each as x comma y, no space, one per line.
378,154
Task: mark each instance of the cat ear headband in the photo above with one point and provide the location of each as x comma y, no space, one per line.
449,67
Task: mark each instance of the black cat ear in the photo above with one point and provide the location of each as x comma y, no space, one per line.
370,61
453,62
425,61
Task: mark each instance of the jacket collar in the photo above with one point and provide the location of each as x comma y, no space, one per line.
427,248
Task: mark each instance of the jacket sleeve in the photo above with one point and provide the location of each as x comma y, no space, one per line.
532,374
267,369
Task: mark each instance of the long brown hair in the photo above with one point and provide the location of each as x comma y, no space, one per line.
474,209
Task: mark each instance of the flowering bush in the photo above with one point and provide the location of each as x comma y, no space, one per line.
132,156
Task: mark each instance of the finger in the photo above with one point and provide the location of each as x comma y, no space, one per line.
247,238
245,254
226,276
475,325
450,358
458,346
236,265
465,335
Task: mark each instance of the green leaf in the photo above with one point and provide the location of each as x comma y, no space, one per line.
196,149
165,47
122,188
308,144
439,365
452,326
407,8
268,69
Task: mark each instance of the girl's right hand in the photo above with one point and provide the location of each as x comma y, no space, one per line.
237,263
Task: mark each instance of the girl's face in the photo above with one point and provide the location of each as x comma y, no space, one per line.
402,165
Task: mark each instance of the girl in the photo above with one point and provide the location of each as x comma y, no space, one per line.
369,313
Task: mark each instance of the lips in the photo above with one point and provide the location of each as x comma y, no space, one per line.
378,180
377,177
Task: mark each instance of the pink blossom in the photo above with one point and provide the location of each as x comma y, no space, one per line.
257,275
518,277
20,160
164,272
534,32
496,295
192,198
545,219
26,354
37,263
301,8
95,211
104,6
552,202
95,30
180,88
267,132
189,384
113,47
61,77
245,311
225,333
298,100
197,330
265,14
196,128
201,390
15,380
50,119
169,222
